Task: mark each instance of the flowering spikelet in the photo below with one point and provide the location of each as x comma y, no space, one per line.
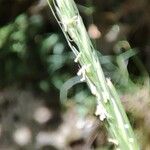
109,108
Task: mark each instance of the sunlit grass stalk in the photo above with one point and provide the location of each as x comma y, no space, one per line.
109,107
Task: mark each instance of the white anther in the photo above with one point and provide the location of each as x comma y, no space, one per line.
101,112
68,22
93,89
83,78
114,141
108,82
102,117
77,58
82,71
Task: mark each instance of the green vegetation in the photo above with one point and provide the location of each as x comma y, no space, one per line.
41,96
109,107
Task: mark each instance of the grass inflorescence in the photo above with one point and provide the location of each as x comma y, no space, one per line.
109,108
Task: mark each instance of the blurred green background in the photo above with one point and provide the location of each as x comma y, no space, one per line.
36,70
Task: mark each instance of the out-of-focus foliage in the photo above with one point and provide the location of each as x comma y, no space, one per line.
29,57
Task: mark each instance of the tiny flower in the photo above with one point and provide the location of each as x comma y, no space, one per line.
114,141
92,86
69,22
77,58
82,71
101,112
108,82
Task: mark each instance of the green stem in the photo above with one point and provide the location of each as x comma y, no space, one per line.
109,107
